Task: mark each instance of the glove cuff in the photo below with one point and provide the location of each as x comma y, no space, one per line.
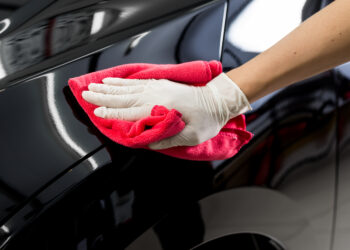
234,98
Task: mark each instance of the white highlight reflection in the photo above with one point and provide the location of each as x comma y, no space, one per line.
2,69
129,11
6,22
58,122
137,39
97,22
263,23
5,229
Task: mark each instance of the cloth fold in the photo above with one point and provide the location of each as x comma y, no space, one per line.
162,122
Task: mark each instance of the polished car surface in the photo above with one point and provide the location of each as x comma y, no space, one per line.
64,185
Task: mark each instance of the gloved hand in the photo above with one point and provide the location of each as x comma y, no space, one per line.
205,110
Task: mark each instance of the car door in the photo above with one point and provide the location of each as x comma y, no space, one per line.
64,184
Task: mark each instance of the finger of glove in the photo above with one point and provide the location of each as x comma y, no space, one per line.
111,101
115,90
187,137
128,114
124,82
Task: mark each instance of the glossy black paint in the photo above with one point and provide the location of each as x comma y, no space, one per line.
114,205
46,135
66,30
63,185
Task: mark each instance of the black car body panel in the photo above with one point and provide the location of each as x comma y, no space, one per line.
47,134
64,185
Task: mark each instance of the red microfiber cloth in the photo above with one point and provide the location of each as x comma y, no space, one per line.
163,123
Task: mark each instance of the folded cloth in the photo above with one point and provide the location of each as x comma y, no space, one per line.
162,122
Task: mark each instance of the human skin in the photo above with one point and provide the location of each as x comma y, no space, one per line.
318,44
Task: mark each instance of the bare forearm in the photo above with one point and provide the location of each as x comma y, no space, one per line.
318,44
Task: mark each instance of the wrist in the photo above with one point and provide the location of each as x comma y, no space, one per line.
234,99
242,80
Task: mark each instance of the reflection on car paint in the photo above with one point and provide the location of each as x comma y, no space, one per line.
73,187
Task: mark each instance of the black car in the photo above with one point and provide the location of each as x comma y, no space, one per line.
64,185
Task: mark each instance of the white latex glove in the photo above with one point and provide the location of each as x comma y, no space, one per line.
205,110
